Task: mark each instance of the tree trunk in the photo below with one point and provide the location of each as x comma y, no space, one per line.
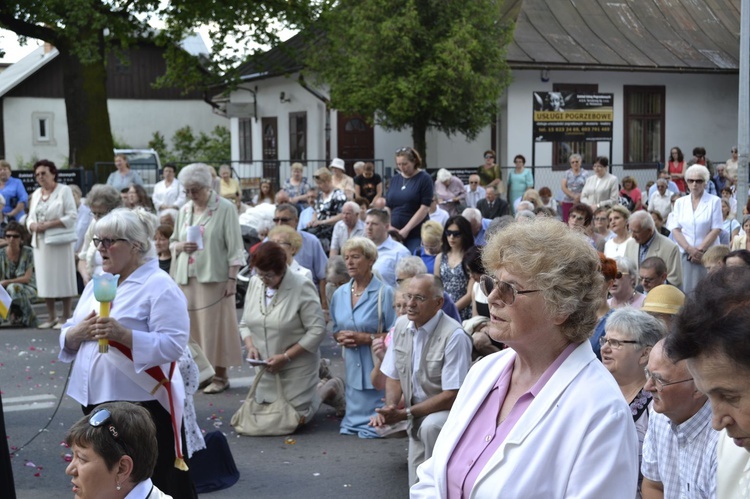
419,137
85,91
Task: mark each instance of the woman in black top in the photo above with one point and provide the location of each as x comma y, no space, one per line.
409,197
161,242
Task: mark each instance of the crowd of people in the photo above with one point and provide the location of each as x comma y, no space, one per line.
518,348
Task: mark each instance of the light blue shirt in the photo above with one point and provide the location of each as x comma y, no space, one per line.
120,182
479,238
305,217
312,257
363,318
389,253
671,186
82,225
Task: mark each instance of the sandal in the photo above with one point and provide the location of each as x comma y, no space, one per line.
48,324
218,385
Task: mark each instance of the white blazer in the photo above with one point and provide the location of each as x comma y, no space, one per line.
577,439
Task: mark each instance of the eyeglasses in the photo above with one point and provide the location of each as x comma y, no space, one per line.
473,183
194,191
613,343
452,233
281,219
695,181
620,274
12,236
104,417
419,298
660,383
266,276
506,291
106,242
41,173
647,280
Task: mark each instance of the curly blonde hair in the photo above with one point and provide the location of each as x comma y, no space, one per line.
568,277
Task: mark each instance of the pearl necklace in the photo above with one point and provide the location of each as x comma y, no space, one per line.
357,295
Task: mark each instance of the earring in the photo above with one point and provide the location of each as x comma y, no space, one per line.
118,486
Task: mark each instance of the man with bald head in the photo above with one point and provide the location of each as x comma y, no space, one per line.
474,191
427,362
679,450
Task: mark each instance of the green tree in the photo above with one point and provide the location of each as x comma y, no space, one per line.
416,64
208,148
85,30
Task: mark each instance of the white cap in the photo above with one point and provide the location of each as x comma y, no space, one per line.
337,163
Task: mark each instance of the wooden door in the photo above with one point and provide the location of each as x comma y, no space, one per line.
356,140
270,127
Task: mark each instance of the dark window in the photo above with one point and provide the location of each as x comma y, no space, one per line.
43,129
644,124
246,139
298,136
561,151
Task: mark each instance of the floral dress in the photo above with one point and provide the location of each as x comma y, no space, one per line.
21,312
455,282
298,190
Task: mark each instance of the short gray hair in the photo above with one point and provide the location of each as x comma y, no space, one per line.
701,170
443,175
354,206
643,219
437,283
289,208
661,181
336,267
576,155
196,174
138,226
411,265
641,326
527,214
472,214
497,225
625,264
105,196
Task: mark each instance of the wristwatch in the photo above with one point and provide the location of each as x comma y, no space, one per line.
409,417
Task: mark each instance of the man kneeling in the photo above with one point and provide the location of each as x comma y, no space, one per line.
427,362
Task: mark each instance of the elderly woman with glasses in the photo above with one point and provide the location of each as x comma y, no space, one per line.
409,197
17,275
208,252
101,200
630,336
147,331
572,184
696,225
546,392
52,217
361,311
622,290
114,453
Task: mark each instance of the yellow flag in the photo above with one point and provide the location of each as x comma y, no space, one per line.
5,300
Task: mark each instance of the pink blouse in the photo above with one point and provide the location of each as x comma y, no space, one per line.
483,436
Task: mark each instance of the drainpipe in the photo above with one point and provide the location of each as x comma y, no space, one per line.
325,100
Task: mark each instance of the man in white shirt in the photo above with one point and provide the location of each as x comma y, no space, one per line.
377,224
679,450
423,337
438,214
661,199
346,228
710,333
474,192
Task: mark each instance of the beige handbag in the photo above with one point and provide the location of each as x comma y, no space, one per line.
205,369
261,420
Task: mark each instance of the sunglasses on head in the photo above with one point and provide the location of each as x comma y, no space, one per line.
103,418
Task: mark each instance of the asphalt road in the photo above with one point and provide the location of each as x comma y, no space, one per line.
319,463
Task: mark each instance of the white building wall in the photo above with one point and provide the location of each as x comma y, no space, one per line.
19,130
701,110
133,123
